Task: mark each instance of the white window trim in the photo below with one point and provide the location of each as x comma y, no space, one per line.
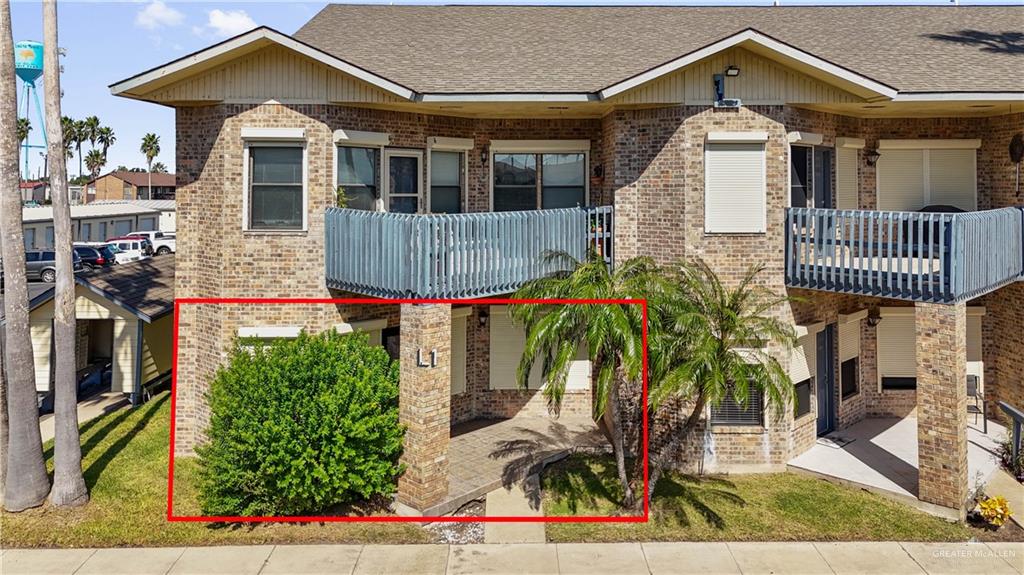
937,144
751,138
462,311
274,137
269,332
538,147
378,203
856,143
361,326
443,144
385,172
362,139
805,138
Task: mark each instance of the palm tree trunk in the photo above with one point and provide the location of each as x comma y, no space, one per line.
27,483
660,461
149,180
4,425
68,484
614,424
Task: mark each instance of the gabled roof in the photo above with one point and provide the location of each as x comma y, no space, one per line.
546,49
80,211
161,179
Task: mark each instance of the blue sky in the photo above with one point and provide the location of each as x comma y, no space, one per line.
110,41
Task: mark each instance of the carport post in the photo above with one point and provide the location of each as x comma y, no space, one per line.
136,395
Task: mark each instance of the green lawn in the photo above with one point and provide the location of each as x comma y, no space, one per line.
762,507
125,462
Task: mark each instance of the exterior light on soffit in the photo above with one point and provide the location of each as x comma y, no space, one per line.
732,71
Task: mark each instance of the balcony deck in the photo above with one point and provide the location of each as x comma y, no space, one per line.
931,257
456,255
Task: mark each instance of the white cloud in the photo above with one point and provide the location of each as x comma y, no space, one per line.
224,23
156,14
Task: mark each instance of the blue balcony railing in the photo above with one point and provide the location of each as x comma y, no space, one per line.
456,255
933,257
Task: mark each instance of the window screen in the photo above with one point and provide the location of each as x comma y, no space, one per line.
515,182
357,176
803,397
446,182
563,180
730,412
849,377
275,187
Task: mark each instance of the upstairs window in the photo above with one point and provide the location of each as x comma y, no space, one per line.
357,176
539,174
276,187
446,182
735,196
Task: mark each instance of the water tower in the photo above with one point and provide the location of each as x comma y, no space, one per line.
28,65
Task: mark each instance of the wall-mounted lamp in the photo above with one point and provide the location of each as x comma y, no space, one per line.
874,317
871,157
484,314
598,171
483,157
732,71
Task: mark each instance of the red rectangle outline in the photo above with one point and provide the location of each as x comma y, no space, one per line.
394,518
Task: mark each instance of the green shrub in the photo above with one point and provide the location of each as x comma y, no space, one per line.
299,426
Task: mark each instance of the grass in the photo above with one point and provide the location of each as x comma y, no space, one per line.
761,507
125,465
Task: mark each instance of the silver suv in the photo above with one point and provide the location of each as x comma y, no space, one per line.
42,265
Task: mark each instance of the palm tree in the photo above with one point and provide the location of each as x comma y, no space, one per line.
151,148
68,483
26,482
81,135
159,168
707,342
94,162
69,129
105,136
611,334
24,127
91,130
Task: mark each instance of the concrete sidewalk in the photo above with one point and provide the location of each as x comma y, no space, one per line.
88,409
581,558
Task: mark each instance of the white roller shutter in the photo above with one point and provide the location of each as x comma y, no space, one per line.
847,184
42,348
734,188
849,340
507,344
897,346
804,363
458,354
951,178
901,180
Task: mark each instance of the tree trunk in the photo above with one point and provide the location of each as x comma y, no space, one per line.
614,416
27,483
68,484
4,427
659,461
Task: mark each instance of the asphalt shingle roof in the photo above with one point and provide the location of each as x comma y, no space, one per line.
146,286
453,49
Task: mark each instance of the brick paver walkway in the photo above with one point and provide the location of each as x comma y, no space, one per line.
588,558
486,454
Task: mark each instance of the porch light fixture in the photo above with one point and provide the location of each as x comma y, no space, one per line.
482,318
483,157
732,71
871,157
874,317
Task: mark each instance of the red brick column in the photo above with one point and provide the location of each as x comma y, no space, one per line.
425,404
942,404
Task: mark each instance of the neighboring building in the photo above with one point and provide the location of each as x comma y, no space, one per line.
124,324
89,223
120,185
738,135
167,208
37,192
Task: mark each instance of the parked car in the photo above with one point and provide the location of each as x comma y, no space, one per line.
42,265
95,256
163,242
132,245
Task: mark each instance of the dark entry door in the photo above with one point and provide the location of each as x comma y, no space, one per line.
826,380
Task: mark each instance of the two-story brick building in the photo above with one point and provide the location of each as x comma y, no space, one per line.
864,162
126,185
